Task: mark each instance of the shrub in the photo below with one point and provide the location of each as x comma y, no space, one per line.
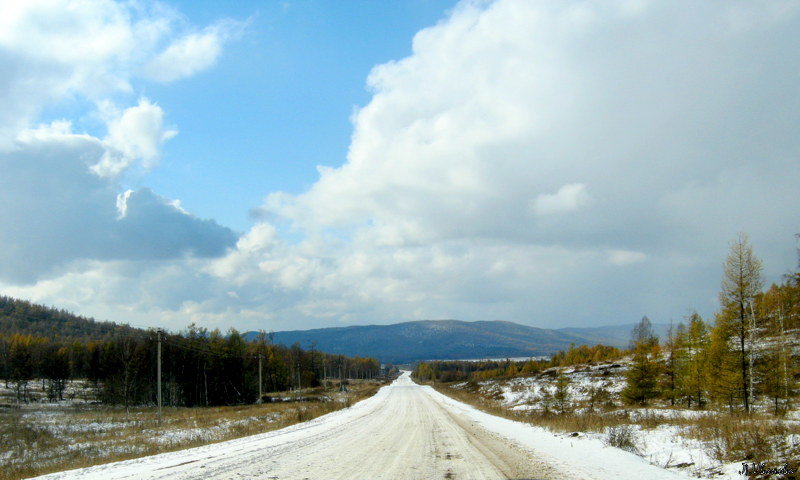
736,439
622,436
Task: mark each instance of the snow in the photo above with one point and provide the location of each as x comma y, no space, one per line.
666,445
503,359
132,468
582,457
75,392
585,456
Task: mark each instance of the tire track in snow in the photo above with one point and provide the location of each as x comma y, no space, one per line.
401,432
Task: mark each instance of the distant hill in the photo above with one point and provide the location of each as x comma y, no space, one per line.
432,339
613,335
397,343
26,318
452,339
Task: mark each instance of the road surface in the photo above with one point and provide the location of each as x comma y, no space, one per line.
405,431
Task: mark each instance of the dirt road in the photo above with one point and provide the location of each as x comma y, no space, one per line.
405,431
401,432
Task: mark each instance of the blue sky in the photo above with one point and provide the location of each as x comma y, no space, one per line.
286,165
282,94
300,70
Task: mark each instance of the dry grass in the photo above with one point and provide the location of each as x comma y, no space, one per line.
728,438
735,438
567,422
35,442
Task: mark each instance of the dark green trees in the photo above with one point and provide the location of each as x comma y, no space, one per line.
199,368
641,385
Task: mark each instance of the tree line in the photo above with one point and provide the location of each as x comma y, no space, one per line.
22,316
749,352
199,367
456,371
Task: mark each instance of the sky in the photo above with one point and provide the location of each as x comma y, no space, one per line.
303,164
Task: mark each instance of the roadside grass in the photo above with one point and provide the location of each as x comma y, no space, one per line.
38,440
726,437
734,438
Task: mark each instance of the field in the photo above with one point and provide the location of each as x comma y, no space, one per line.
39,438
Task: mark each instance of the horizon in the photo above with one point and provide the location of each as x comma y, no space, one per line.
178,330
298,165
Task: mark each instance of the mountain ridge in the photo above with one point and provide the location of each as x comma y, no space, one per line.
449,339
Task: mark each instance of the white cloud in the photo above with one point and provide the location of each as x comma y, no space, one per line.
625,257
494,115
569,198
60,189
134,134
191,53
56,49
677,117
122,203
62,213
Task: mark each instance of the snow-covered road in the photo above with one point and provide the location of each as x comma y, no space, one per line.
405,431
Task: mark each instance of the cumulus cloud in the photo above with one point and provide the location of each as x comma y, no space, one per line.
468,153
60,200
56,49
58,211
136,134
508,168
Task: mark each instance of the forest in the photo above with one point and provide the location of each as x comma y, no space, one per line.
22,316
749,351
199,367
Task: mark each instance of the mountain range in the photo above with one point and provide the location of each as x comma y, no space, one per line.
451,339
397,343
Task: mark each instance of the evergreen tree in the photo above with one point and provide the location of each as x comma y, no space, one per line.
56,369
741,282
21,364
671,380
722,365
694,375
641,376
561,394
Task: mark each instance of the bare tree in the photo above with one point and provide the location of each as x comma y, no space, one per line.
642,334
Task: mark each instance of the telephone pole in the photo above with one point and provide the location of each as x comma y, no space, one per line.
259,378
159,375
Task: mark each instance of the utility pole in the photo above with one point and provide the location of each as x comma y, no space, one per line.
752,334
259,378
784,355
159,375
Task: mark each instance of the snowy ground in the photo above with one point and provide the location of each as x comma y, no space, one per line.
43,436
76,392
660,434
54,435
404,431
